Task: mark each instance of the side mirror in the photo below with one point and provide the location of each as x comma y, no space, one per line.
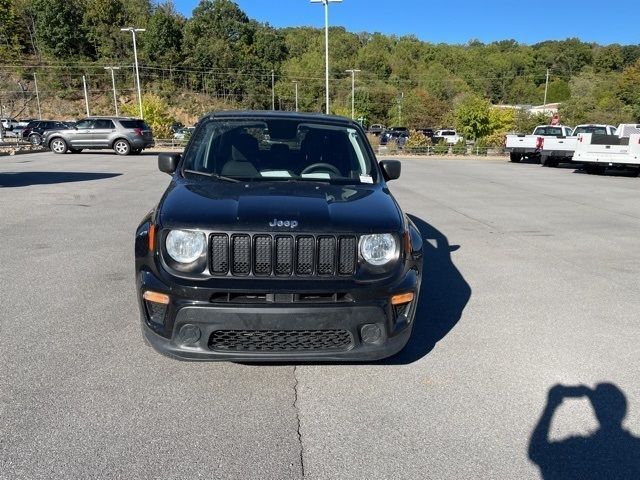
391,169
168,162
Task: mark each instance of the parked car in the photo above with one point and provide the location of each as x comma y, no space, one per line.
376,129
123,134
427,132
183,133
522,146
449,136
35,130
9,123
598,151
556,150
296,252
398,136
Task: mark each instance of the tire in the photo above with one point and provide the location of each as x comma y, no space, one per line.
35,139
122,147
75,150
58,145
515,157
136,151
544,161
553,163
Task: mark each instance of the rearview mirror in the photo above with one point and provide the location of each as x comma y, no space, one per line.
168,162
391,169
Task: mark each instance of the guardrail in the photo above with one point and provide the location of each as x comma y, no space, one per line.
170,142
439,150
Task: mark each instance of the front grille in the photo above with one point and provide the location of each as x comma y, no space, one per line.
280,340
282,255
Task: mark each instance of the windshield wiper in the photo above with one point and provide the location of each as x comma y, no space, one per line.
211,175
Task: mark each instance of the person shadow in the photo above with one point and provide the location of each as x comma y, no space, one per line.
444,293
611,452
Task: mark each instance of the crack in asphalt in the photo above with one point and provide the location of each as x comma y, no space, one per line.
297,410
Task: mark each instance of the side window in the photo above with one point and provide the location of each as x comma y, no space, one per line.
85,124
104,124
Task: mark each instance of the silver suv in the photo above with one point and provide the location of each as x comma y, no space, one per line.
125,135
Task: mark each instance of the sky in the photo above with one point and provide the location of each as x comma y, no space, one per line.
458,21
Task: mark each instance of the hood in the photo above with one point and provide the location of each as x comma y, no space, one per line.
316,207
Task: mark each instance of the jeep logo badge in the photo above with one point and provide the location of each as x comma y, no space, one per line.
283,223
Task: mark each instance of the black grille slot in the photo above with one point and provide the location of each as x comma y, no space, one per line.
346,255
305,255
280,340
326,255
262,255
284,255
241,254
219,254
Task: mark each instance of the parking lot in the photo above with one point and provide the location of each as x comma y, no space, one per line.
531,280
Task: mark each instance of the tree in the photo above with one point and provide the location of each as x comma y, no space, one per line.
473,116
423,109
163,38
9,33
59,27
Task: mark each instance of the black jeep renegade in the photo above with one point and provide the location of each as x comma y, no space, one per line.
277,239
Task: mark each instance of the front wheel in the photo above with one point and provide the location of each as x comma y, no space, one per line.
122,147
58,145
35,139
515,157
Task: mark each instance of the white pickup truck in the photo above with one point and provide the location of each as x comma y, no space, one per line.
555,150
521,146
597,152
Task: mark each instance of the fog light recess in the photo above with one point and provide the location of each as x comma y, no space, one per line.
370,333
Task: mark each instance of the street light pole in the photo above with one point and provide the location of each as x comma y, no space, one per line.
295,82
135,56
35,81
326,45
86,97
273,90
113,84
353,91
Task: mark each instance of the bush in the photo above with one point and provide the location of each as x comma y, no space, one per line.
460,148
418,142
441,148
481,146
156,114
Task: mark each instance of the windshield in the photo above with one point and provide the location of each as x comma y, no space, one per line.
280,149
591,129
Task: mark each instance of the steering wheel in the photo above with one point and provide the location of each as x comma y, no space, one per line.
320,166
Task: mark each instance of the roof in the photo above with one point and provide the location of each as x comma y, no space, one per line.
252,114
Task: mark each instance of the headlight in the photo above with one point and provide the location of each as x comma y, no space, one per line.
378,249
185,246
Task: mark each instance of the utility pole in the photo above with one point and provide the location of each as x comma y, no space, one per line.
35,81
273,90
113,84
135,56
326,45
546,88
86,97
353,91
295,82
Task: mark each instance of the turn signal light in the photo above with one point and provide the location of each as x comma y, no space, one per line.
152,237
402,298
156,297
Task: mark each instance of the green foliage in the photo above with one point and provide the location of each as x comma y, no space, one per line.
417,142
156,114
460,148
441,148
163,38
473,116
59,27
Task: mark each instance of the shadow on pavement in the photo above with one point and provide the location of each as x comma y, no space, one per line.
610,452
444,293
23,179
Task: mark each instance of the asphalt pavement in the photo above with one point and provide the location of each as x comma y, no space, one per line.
532,280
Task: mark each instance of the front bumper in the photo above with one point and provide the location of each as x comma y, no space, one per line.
367,326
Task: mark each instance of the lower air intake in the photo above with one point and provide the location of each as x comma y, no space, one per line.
280,340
